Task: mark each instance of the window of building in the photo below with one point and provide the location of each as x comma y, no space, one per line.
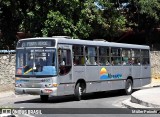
136,57
78,55
104,58
116,56
126,57
145,57
91,56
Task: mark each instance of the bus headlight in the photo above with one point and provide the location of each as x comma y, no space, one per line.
18,85
17,82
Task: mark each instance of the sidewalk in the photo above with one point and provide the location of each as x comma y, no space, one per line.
145,98
7,94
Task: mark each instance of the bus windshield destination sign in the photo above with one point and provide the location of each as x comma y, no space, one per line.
36,43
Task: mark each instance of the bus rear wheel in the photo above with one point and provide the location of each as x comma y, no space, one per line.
129,87
44,98
78,92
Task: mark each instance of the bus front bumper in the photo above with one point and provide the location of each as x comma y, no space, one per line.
37,91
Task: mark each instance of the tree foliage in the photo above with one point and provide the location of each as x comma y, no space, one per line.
143,14
83,19
86,19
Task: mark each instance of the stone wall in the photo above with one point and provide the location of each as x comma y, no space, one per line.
7,69
155,64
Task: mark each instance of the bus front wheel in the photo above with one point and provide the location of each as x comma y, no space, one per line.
129,86
44,98
78,92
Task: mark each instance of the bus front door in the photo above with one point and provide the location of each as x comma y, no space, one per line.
65,70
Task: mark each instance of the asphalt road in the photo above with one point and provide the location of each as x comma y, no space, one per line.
108,103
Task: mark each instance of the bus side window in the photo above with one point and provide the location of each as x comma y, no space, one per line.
136,57
116,56
104,58
126,57
64,58
78,55
145,57
91,55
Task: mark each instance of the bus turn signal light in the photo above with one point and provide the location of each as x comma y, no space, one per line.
55,85
17,78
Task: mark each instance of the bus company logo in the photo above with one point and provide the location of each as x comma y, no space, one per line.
105,75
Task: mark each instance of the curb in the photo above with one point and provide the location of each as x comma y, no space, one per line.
128,104
156,86
143,103
143,99
150,86
147,97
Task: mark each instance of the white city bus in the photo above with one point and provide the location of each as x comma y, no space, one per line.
58,66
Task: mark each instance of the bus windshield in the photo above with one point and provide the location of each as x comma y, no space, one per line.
36,61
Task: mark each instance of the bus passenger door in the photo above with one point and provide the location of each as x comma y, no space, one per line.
146,71
65,70
146,74
146,68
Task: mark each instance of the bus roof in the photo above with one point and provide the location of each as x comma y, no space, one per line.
90,42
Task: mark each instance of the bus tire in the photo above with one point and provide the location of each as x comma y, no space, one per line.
129,87
78,92
44,98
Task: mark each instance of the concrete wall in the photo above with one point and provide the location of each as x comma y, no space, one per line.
7,69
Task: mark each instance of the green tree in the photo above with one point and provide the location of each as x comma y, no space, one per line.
143,15
9,22
84,19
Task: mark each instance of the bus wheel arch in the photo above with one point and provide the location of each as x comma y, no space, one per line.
80,88
129,85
